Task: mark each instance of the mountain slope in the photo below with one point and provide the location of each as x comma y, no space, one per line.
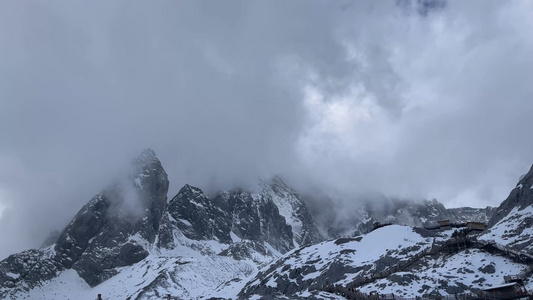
512,223
292,207
110,231
393,259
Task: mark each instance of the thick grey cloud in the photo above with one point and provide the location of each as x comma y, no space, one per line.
355,98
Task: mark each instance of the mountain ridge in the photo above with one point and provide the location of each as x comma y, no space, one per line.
132,241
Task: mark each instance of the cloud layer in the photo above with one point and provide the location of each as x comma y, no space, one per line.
417,99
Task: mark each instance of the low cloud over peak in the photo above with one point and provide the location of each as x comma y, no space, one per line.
364,97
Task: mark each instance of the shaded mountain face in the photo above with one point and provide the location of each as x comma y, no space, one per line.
293,208
512,223
236,212
110,231
274,214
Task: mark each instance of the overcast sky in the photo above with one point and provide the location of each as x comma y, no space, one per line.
353,97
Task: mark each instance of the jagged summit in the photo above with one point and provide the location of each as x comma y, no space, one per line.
292,207
112,230
190,190
109,231
147,153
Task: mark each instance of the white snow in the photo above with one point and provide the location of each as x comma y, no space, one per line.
462,267
397,241
12,275
286,201
234,237
192,270
500,232
185,222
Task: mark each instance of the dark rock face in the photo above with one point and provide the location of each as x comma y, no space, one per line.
195,215
469,214
202,218
29,268
165,239
514,217
293,208
521,197
245,217
105,234
108,232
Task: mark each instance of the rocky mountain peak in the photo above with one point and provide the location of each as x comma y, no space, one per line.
512,223
114,229
520,197
292,207
147,155
189,191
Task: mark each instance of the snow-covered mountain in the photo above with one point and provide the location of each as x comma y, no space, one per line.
408,261
393,259
128,241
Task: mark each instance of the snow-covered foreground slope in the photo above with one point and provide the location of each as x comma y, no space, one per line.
192,269
464,271
515,229
185,276
392,259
